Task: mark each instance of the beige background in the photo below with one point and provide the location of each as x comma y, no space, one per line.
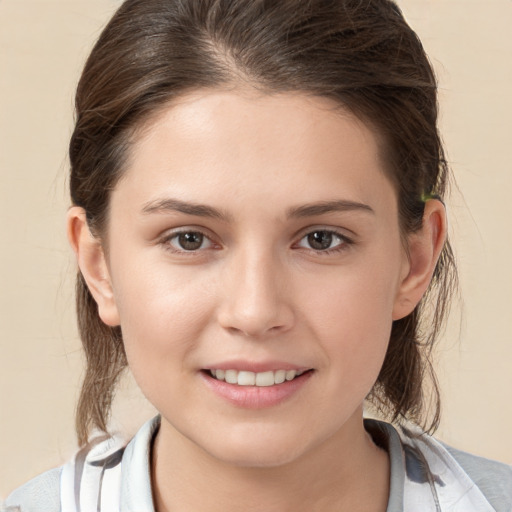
42,47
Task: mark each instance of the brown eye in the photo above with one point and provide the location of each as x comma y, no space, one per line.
322,240
189,241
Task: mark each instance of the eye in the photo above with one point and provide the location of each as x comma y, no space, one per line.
323,240
188,241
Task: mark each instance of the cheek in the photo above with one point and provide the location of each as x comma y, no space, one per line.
353,300
352,314
162,313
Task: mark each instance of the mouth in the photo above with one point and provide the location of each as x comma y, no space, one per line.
261,389
257,379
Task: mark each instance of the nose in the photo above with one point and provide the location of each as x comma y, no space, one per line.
256,299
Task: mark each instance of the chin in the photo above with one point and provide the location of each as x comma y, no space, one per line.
259,457
259,449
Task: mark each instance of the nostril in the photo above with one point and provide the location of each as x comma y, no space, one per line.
256,332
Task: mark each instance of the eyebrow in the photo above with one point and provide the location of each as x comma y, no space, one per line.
169,205
323,207
201,210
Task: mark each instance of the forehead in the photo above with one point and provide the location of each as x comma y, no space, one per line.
254,115
219,144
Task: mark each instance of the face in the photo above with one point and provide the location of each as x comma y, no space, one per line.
255,239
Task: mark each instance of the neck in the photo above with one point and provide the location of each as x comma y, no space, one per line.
345,472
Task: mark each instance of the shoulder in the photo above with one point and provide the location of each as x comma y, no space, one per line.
427,472
462,474
78,479
493,478
94,475
40,493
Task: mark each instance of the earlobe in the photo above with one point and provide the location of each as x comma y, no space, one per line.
424,248
92,263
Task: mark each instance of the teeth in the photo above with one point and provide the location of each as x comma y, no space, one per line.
231,376
280,376
261,379
247,379
264,379
290,374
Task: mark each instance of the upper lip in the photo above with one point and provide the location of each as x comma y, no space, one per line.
256,367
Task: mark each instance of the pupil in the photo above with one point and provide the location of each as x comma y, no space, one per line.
190,241
320,240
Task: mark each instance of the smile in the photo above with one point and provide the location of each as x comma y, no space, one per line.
256,389
259,379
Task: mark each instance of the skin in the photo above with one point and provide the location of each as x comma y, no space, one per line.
257,291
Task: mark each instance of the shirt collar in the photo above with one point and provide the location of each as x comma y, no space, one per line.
136,494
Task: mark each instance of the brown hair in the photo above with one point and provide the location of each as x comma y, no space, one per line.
361,53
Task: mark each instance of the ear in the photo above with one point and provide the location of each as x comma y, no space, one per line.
424,248
93,265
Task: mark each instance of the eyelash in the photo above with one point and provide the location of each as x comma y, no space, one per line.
344,242
167,239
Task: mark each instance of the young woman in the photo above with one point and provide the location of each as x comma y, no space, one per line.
259,225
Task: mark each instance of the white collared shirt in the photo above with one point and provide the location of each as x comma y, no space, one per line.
426,476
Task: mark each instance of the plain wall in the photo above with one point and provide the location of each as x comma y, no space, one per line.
43,45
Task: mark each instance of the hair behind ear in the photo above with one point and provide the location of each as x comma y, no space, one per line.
105,361
399,392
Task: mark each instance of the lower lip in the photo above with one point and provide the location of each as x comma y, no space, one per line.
256,397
